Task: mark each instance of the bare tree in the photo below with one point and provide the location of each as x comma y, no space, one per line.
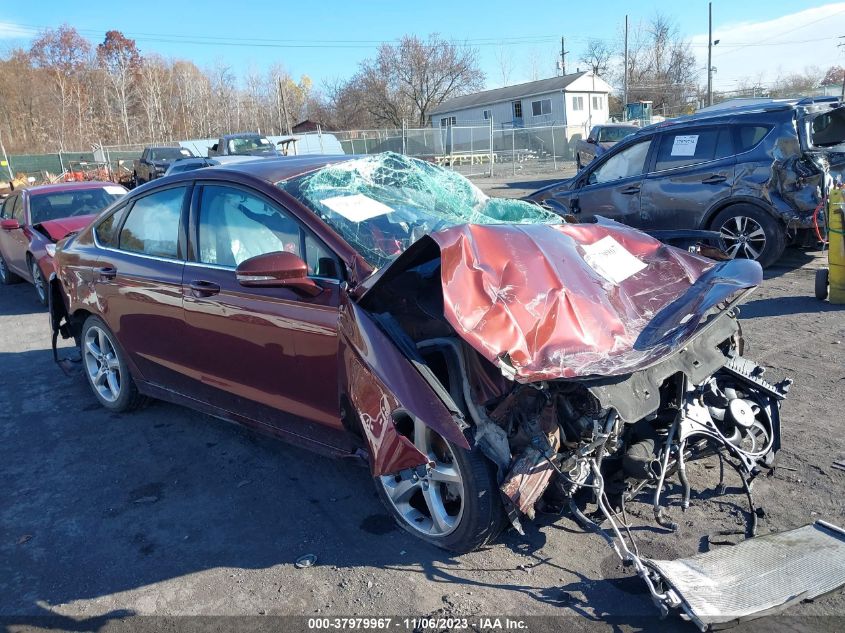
597,56
407,80
64,54
661,66
504,61
119,58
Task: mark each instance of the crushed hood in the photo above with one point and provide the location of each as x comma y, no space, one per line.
562,301
60,228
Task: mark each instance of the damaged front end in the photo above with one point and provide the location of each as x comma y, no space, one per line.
591,364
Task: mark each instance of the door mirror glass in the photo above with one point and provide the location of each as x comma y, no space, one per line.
277,269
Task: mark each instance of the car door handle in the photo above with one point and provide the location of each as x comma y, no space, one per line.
630,191
106,273
714,180
201,288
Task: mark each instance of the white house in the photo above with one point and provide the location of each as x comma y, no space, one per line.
577,99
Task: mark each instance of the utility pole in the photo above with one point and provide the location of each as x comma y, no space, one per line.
563,53
710,53
284,106
625,80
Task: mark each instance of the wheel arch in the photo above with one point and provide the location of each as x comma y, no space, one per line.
716,209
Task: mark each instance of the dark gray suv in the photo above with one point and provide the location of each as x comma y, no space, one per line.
754,173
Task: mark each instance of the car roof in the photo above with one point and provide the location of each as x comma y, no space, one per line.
273,170
69,186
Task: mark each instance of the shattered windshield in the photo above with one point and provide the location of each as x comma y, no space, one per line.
382,204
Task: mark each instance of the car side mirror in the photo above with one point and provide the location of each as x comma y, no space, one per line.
10,224
590,139
278,269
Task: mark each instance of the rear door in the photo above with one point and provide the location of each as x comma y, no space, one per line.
138,280
693,171
14,243
611,186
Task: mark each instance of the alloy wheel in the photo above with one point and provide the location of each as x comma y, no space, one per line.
102,364
432,504
743,236
38,282
4,270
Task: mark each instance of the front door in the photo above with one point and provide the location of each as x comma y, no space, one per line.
612,187
269,354
693,171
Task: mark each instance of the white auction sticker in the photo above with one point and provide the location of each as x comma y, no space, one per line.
611,260
357,207
685,145
114,190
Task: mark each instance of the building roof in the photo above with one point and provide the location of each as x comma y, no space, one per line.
507,93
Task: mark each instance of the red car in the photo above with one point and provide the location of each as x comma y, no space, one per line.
32,220
480,354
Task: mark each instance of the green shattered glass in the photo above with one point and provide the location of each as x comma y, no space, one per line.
400,199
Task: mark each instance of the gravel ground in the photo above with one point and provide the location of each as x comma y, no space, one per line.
167,512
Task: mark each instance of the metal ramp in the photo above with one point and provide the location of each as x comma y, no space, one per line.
757,577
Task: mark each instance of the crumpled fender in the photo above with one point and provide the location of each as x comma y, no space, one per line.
379,380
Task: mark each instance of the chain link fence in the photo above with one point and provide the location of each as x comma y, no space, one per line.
473,150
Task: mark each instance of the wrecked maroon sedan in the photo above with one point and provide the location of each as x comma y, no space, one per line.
481,354
32,220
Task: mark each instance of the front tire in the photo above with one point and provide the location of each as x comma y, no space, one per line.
38,281
457,506
749,232
106,369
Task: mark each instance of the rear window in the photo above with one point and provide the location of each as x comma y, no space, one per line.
692,147
750,136
66,204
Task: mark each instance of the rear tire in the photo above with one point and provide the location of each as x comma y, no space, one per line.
105,368
7,277
749,232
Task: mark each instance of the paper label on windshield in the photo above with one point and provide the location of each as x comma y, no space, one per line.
357,208
685,145
114,190
611,260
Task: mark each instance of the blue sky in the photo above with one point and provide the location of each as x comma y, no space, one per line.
326,40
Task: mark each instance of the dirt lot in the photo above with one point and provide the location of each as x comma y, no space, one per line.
167,512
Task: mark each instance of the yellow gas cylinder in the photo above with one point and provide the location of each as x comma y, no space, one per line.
836,247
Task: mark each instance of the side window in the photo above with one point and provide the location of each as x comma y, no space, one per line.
106,231
749,136
690,148
6,211
152,226
627,163
17,209
235,225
